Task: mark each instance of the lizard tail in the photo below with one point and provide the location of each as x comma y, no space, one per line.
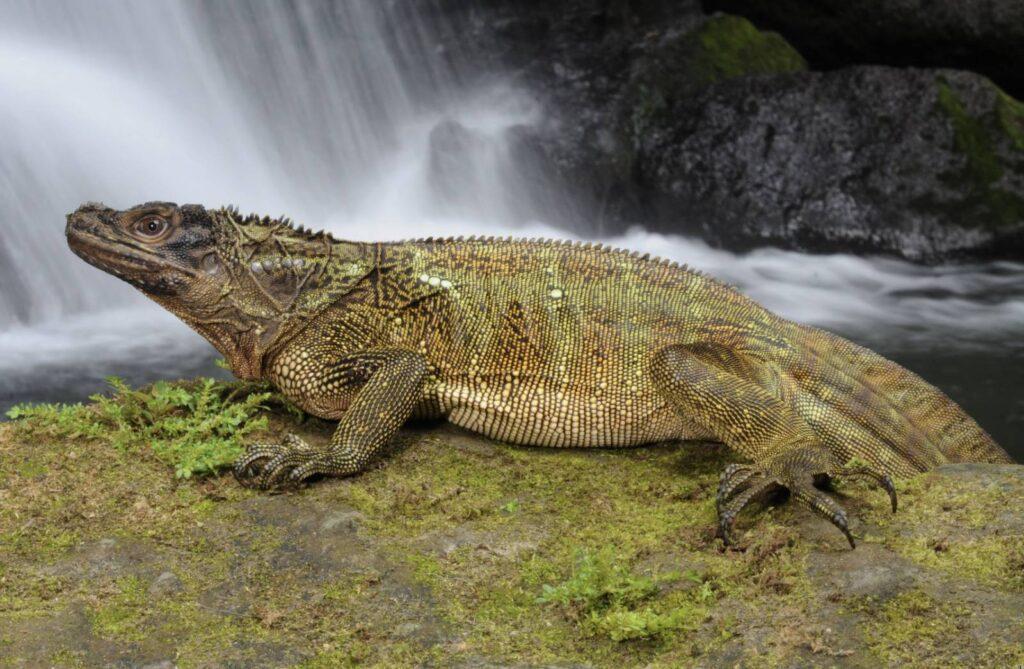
891,404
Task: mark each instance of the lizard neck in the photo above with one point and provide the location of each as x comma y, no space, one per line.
263,303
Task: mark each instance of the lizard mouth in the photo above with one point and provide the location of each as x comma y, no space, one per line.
142,267
111,255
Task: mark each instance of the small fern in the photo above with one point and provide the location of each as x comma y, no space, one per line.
195,427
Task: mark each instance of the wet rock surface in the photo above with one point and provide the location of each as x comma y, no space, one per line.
984,36
439,555
661,115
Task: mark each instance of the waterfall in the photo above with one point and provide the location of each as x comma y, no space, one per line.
324,111
346,115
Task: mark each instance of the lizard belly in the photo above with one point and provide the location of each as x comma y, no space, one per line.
547,414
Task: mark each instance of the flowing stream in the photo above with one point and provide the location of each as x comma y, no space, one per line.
325,111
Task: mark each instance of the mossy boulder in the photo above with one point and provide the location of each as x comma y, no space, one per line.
985,36
678,63
922,164
657,114
459,551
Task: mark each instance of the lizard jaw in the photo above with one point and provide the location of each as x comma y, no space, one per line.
125,259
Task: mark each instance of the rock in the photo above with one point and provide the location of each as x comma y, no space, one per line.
387,567
660,115
985,36
927,165
342,521
166,583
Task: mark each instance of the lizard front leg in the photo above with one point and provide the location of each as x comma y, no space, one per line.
712,386
388,383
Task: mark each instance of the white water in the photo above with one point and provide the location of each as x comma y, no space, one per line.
322,112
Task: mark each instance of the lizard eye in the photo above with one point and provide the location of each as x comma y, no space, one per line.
151,228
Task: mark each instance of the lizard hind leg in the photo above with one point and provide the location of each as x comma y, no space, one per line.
712,387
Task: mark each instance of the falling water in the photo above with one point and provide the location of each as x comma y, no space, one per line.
346,115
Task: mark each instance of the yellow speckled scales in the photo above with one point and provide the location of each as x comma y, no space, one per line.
547,343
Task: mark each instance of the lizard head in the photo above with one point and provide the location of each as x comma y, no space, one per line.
245,283
158,247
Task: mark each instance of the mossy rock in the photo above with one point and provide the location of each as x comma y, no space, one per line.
720,48
987,139
730,46
459,551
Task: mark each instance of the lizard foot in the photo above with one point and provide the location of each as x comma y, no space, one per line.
795,470
265,465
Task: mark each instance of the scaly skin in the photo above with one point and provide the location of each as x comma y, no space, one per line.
532,342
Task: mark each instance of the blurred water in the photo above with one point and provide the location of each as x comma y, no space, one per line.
345,115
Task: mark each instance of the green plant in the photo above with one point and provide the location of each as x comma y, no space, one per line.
196,427
604,597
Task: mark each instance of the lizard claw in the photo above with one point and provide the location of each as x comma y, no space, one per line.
796,471
739,486
264,465
884,480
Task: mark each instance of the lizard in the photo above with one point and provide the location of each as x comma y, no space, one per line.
527,341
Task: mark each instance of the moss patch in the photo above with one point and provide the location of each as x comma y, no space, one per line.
730,46
914,629
454,550
604,597
195,427
975,139
723,47
952,526
1011,118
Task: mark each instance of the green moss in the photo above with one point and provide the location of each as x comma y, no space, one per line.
122,616
478,551
973,137
68,659
730,46
723,47
913,629
1011,118
606,598
199,633
950,535
995,561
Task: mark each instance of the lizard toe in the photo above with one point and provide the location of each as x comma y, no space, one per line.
757,485
883,480
248,468
277,472
733,480
824,506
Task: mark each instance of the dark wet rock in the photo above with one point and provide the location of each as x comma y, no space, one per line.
922,164
985,36
657,114
927,165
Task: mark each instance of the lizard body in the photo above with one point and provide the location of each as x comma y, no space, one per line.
533,342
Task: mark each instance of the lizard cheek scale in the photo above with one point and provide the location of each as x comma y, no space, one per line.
534,342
